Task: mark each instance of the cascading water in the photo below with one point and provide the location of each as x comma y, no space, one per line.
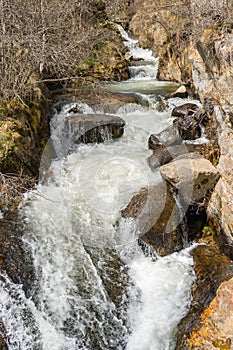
145,65
95,289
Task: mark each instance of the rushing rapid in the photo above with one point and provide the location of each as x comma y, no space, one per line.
95,289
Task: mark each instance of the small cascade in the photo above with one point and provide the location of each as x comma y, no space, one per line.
144,65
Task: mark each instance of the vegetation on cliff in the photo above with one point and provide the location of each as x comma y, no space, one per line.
47,46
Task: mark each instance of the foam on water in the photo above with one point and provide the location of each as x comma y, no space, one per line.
96,288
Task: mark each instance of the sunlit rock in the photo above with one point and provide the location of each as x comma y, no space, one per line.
209,320
192,179
180,92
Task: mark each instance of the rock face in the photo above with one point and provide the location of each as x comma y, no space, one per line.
211,269
191,178
216,326
157,218
220,210
91,128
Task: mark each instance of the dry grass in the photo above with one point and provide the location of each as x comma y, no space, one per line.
12,189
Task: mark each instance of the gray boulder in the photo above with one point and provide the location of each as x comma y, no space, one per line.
165,155
166,137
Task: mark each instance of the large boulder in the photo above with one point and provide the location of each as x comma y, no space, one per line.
145,207
211,269
92,128
192,179
79,128
165,155
157,219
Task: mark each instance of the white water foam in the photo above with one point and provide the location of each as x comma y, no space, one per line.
96,288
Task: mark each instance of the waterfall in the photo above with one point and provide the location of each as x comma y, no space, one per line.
95,289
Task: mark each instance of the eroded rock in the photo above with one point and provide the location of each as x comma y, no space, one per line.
220,209
215,331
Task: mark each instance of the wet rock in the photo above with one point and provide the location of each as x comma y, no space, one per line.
211,269
157,219
191,178
15,259
184,110
165,155
92,128
167,137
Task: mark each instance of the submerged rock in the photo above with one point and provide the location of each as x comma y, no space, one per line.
91,128
15,259
191,178
211,269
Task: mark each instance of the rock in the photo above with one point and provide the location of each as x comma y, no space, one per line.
165,236
91,128
184,110
165,155
193,179
157,219
211,269
180,92
145,206
15,260
220,209
188,127
215,331
167,137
